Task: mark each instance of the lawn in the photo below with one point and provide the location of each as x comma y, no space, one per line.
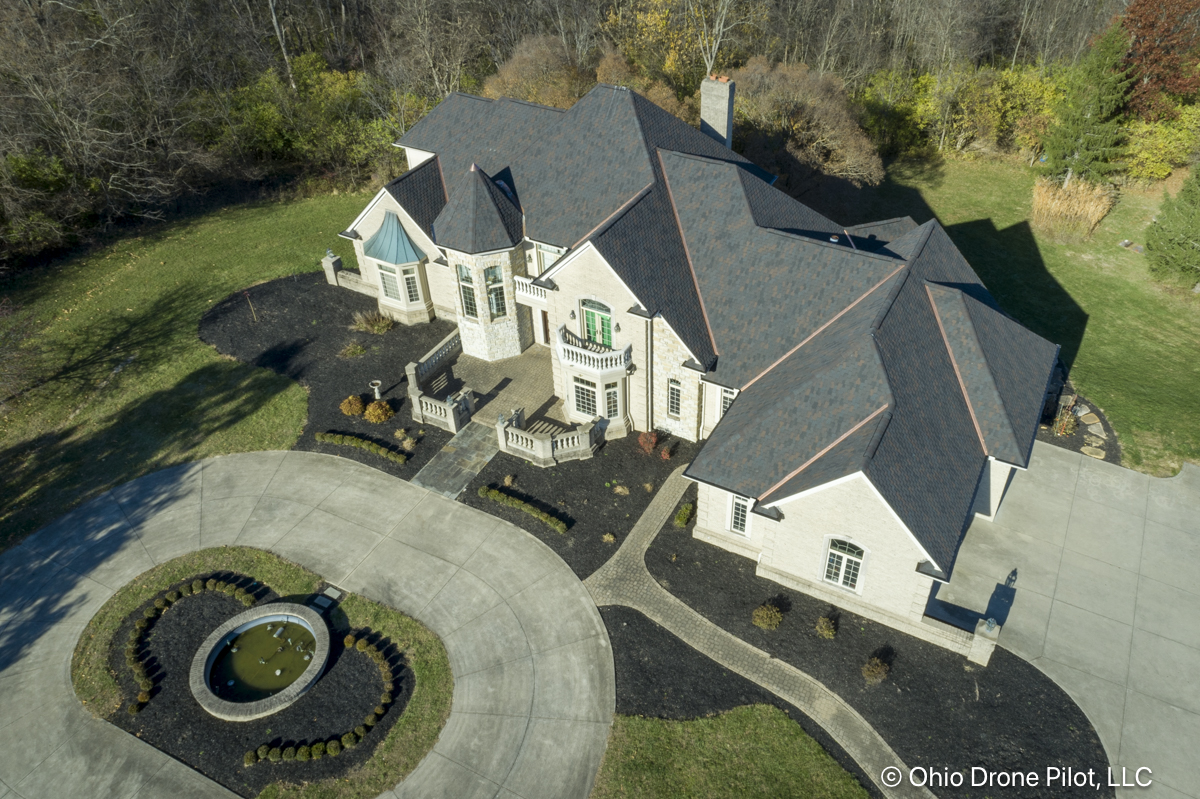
128,387
1132,345
749,752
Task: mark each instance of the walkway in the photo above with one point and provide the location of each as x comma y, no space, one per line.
1107,601
624,580
524,381
534,689
454,467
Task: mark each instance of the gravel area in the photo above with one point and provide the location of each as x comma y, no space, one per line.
588,495
173,722
935,709
659,676
302,324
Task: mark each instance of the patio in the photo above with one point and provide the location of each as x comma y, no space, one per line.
503,386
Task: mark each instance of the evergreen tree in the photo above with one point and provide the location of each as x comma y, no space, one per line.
1173,242
1086,141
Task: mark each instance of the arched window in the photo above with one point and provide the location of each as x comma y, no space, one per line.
844,564
597,322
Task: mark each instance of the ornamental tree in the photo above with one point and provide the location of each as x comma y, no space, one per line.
1162,57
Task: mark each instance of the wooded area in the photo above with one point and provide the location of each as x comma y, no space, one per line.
113,109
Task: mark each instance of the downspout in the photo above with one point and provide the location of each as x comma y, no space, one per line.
650,374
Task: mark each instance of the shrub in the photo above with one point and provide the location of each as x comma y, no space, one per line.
220,585
826,628
229,589
621,491
134,709
371,322
362,645
349,641
239,592
289,753
160,603
385,698
150,612
353,350
608,538
247,600
363,444
875,671
145,684
349,740
144,697
665,452
172,597
352,405
557,525
318,750
408,444
766,616
372,651
197,586
379,710
185,589
1071,212
387,686
360,731
333,748
275,755
378,412
263,751
370,719
250,758
211,584
648,441
385,673
302,753
683,515
141,624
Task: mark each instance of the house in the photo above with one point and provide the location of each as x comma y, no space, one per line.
860,394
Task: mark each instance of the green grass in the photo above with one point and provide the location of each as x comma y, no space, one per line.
749,752
136,304
409,739
1132,343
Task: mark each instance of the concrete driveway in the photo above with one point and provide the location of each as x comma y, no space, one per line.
534,691
1106,601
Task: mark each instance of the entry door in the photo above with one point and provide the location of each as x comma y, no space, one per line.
545,328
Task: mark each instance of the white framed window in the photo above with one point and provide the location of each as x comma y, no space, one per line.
843,566
467,289
387,279
674,397
546,256
597,322
612,404
493,278
411,286
727,395
739,515
585,396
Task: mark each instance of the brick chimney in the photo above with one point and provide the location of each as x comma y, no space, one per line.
716,108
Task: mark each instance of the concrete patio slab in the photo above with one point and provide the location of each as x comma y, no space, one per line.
1154,666
1162,737
1169,612
1105,533
1097,586
50,746
1174,553
1088,642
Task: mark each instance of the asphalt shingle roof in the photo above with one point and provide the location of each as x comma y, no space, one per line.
480,217
421,193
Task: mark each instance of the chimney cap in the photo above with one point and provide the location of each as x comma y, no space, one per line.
719,78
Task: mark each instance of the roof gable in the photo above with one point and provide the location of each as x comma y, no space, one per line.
391,244
480,217
421,193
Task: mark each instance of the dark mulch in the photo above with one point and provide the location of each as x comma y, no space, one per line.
582,494
302,326
935,709
1080,438
659,676
175,723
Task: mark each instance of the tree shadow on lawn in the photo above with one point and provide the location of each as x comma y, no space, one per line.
1007,260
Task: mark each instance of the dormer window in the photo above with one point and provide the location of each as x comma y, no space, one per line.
597,322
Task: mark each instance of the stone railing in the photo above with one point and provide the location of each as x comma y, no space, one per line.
337,275
547,449
526,290
432,362
593,357
451,414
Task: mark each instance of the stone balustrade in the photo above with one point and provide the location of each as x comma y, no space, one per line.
527,292
591,356
547,449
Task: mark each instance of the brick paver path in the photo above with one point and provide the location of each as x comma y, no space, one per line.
624,580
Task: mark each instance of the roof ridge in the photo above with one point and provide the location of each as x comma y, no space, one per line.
830,446
712,339
616,215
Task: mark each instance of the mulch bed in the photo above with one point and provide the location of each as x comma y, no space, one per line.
1081,437
583,494
302,324
175,723
935,709
659,676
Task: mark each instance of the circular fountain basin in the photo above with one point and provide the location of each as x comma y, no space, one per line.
271,655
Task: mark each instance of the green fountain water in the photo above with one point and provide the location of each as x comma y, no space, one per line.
261,661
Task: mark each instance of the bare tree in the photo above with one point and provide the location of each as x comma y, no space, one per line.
713,22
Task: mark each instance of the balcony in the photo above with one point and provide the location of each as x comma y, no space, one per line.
527,293
589,356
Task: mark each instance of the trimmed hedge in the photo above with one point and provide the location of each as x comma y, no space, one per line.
557,525
684,514
361,443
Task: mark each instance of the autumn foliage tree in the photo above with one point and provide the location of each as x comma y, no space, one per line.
540,71
1162,57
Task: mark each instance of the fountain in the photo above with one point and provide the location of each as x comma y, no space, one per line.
260,661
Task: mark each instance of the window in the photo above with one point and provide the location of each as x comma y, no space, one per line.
585,396
737,516
493,278
387,277
727,395
467,289
546,257
597,322
410,285
674,394
844,564
611,405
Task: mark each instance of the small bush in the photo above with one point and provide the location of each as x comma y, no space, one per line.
333,748
665,453
318,750
360,731
160,603
302,753
385,698
150,612
172,597
826,628
371,322
134,709
608,538
648,441
362,645
408,444
372,651
230,589
378,412
289,754
353,350
247,600
387,686
239,592
621,491
349,641
557,525
275,755
349,740
385,673
875,671
211,584
197,586
141,624
263,751
144,697
766,616
363,444
370,719
146,684
250,758
683,515
220,585
185,589
352,405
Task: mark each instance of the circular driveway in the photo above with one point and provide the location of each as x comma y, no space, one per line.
534,690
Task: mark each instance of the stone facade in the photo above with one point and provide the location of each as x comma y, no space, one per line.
669,357
484,336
